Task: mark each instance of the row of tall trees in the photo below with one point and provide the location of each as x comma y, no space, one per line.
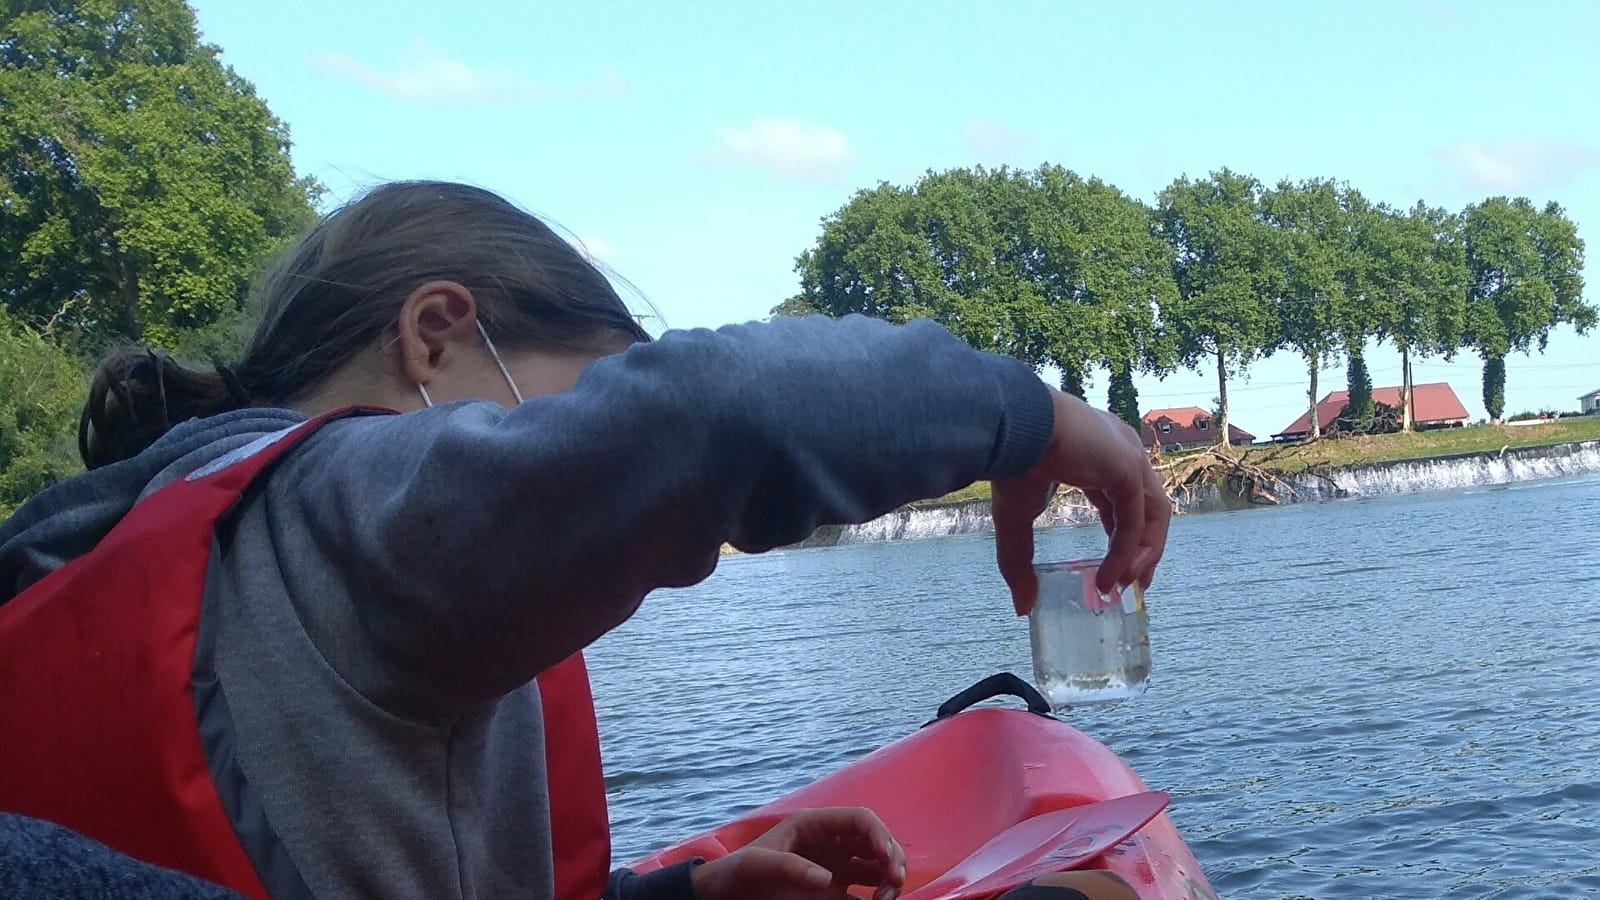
1070,272
142,185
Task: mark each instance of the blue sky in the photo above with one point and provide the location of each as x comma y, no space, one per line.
695,146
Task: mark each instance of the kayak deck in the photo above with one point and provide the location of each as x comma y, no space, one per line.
989,780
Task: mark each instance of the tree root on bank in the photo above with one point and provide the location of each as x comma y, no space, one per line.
1187,475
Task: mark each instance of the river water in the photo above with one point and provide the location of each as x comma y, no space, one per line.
1388,697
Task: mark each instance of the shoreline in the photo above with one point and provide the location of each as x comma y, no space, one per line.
968,511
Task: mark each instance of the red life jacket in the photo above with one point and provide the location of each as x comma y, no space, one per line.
112,723
580,832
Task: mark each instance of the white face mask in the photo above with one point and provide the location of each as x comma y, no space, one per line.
504,372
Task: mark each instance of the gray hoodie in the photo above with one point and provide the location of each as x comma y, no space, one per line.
382,604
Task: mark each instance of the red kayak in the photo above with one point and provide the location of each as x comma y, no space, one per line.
986,799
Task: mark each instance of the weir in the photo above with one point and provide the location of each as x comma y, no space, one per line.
1330,483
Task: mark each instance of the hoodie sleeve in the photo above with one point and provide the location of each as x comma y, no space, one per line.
487,544
674,882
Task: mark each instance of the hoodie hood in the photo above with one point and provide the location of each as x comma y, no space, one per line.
69,519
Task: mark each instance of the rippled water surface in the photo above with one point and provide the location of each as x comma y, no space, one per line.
1397,697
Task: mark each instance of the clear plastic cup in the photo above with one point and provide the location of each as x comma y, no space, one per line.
1088,647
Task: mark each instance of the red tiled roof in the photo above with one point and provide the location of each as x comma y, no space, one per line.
1435,402
1185,427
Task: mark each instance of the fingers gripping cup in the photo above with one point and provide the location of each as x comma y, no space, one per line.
1088,647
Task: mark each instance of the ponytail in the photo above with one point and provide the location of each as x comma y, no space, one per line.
136,396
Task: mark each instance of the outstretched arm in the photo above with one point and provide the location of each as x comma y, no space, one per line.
492,543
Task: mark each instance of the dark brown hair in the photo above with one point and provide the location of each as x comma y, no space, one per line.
340,288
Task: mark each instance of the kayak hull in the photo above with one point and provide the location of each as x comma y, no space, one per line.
981,780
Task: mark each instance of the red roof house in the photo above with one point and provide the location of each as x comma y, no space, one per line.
1435,405
1186,427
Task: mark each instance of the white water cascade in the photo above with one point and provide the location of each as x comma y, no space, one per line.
1463,470
1400,476
964,517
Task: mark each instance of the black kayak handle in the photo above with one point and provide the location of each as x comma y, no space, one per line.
1002,683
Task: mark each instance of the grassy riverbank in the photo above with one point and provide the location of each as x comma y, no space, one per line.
1362,450
1355,451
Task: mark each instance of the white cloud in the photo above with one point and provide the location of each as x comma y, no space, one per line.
1528,165
427,74
804,151
1444,14
994,140
606,86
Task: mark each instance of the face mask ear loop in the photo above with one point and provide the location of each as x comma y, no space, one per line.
497,361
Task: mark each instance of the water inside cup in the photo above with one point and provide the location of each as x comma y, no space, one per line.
1087,647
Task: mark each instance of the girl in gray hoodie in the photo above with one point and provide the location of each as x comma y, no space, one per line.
383,603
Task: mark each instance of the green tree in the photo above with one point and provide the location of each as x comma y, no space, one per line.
1096,252
933,251
1123,399
1415,286
222,341
1315,268
1359,408
1526,277
1219,247
966,219
1494,387
871,258
1045,317
142,180
1045,266
41,388
797,307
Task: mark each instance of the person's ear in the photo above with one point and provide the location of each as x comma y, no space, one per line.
437,322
